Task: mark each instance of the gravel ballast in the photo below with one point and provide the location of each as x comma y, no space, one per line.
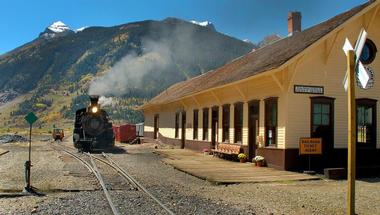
10,138
181,192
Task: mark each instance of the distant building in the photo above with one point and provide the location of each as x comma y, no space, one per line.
267,100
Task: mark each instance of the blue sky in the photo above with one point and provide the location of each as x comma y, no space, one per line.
22,20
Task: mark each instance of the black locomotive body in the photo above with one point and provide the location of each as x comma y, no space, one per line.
92,128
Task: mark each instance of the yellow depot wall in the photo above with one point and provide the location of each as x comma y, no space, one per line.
322,67
189,124
247,90
148,121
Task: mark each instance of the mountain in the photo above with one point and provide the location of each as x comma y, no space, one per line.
57,29
65,62
206,24
269,39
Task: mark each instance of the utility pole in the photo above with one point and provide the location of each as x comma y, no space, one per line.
351,133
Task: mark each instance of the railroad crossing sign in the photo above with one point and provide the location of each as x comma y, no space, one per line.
31,118
363,75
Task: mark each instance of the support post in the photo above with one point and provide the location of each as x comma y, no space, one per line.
28,164
351,134
29,160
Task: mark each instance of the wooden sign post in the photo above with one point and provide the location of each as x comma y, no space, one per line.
310,146
353,61
351,133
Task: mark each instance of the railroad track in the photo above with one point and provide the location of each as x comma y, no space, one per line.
94,169
107,160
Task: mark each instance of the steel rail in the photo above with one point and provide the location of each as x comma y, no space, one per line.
95,171
101,181
113,164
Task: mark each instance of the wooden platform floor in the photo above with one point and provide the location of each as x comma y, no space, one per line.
217,170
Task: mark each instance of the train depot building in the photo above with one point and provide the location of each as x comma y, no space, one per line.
270,98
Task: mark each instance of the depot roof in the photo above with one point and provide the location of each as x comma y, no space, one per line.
258,61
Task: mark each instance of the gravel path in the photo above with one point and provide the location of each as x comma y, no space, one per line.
185,194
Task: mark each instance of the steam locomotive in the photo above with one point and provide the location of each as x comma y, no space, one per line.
92,128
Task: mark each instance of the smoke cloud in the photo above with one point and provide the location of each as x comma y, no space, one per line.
170,51
129,71
104,101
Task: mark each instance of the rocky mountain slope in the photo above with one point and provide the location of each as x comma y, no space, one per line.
148,56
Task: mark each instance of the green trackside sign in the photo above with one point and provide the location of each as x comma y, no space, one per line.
31,118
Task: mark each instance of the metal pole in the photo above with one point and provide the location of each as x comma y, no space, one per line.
30,151
30,141
351,134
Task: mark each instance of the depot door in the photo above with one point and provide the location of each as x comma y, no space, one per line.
253,127
322,125
183,126
156,118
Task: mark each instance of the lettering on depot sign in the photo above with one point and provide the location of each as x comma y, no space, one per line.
305,89
310,146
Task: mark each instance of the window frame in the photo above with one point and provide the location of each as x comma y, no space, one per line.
238,125
372,52
226,119
268,102
368,103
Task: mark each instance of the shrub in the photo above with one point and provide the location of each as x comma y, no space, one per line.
242,156
258,158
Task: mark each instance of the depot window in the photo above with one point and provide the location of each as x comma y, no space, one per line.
369,52
226,123
271,113
238,122
205,124
195,122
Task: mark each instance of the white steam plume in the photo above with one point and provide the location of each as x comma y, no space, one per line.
173,48
129,71
104,101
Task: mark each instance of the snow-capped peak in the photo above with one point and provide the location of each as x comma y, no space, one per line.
204,23
58,27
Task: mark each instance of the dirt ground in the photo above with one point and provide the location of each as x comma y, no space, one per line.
71,189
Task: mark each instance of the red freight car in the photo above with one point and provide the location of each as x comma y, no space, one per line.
125,133
116,132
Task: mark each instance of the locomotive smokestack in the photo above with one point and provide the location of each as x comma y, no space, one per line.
94,100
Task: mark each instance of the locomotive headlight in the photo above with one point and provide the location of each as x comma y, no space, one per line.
94,109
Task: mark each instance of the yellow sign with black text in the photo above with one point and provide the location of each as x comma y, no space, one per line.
310,146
